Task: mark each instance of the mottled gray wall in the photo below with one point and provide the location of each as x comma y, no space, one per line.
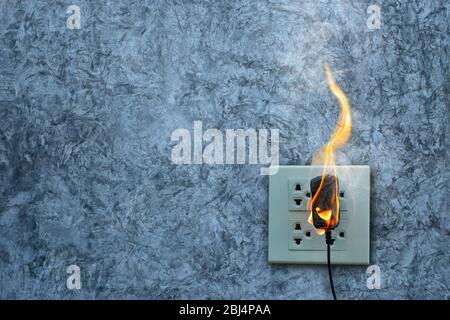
85,123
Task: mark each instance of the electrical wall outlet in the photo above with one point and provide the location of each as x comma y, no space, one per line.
293,240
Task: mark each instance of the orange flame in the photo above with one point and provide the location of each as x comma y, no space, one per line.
325,156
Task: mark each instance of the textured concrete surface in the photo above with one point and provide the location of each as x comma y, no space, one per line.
85,123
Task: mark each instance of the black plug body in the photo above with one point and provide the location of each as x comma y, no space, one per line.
325,200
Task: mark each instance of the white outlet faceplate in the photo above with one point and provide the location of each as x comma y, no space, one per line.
293,240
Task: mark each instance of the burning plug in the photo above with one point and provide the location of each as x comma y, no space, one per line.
325,189
324,203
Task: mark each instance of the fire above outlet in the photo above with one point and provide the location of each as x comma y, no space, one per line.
323,198
324,215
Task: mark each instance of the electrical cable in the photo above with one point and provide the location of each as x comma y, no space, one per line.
329,242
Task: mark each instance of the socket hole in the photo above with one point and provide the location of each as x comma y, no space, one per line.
342,234
298,202
308,234
298,226
297,241
308,194
298,187
342,194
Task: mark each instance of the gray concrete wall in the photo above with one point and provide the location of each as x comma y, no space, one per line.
86,118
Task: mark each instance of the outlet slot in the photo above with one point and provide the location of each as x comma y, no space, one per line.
342,194
298,202
297,226
308,194
298,187
341,235
308,234
297,241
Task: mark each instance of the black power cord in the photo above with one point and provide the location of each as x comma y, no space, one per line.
329,242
